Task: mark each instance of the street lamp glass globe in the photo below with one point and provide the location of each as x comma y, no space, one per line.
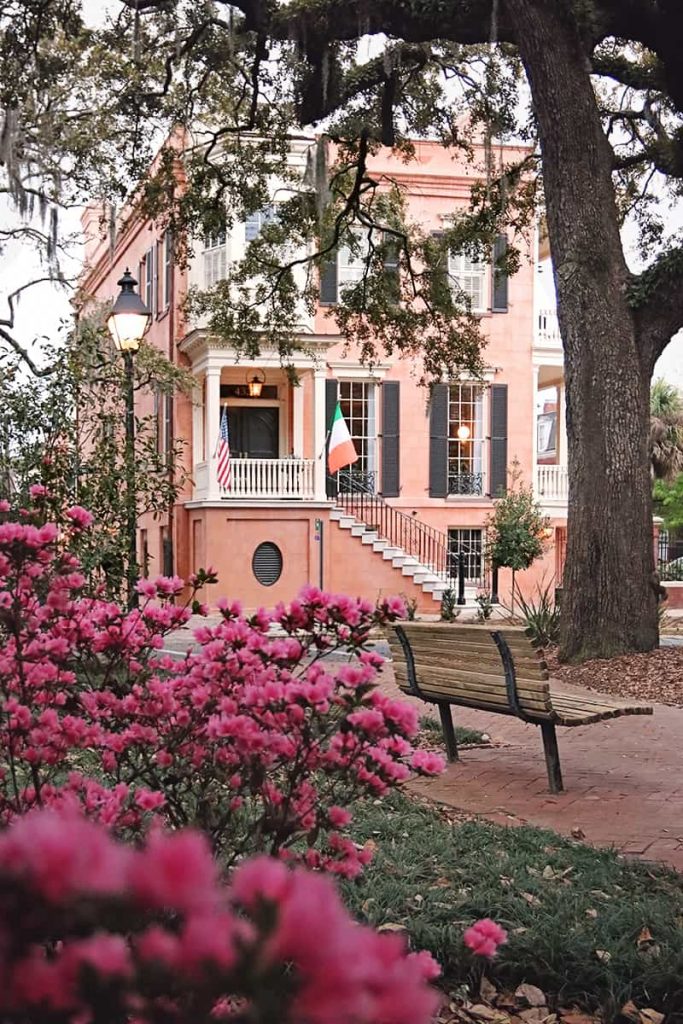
129,319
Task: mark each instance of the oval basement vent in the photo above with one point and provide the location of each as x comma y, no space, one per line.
267,563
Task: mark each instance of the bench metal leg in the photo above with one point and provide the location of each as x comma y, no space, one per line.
552,757
448,732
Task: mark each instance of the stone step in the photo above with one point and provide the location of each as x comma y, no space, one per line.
370,537
358,529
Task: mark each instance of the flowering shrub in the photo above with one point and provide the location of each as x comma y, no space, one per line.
484,937
96,931
254,737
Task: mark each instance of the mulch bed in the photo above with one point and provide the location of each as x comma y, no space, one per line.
656,676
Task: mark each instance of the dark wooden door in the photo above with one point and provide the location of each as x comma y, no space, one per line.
254,432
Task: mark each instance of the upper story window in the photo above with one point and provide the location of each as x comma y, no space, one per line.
466,440
468,278
349,264
546,433
256,221
352,260
215,259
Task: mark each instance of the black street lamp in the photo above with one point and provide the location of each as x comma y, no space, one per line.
128,322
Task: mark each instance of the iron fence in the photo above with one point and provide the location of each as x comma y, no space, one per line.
670,556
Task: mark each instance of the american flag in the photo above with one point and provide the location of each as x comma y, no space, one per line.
224,471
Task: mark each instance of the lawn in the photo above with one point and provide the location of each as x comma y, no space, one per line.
586,927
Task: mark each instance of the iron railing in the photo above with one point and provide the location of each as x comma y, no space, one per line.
670,557
465,483
430,547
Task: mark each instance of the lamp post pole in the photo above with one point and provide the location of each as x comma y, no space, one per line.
127,323
131,510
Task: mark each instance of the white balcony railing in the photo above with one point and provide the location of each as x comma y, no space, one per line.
552,484
271,479
548,329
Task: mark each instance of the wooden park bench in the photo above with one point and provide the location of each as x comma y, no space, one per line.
494,670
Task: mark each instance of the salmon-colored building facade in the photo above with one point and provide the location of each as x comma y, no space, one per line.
410,515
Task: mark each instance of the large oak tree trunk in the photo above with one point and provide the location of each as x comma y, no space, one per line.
609,604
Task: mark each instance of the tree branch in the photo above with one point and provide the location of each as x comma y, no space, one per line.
657,299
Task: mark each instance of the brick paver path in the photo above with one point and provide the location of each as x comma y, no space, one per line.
623,779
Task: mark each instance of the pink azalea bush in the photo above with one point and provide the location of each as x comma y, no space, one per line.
93,930
254,737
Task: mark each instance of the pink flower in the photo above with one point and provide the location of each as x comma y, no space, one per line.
178,871
109,955
38,491
427,763
80,518
484,937
338,816
147,800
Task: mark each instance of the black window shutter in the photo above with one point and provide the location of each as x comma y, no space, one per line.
438,441
390,439
328,281
499,299
438,279
499,440
331,395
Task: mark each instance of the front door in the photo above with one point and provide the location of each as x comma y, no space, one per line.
254,432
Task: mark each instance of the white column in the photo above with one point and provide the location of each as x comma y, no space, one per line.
298,420
212,406
319,433
197,427
534,430
562,424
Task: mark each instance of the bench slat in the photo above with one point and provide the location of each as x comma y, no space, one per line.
471,695
528,666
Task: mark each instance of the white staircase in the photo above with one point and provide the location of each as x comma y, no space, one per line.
430,582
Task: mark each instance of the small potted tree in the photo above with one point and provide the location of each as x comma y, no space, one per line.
516,529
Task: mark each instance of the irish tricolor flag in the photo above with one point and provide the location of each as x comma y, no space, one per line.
341,451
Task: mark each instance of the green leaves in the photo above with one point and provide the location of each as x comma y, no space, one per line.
516,528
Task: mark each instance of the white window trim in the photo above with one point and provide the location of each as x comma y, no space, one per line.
258,216
214,259
346,271
485,441
461,266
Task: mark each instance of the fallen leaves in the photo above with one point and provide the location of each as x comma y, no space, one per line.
528,1004
530,995
654,676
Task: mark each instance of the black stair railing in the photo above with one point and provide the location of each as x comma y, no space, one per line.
429,546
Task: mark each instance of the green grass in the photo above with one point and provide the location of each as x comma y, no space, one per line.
560,902
464,736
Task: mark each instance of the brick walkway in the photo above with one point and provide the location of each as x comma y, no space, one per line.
623,779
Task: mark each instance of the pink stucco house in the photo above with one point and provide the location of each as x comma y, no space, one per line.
416,502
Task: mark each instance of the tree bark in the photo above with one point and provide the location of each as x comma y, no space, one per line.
609,604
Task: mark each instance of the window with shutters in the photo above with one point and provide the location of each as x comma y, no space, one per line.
467,543
468,280
358,401
352,259
256,221
215,259
466,439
